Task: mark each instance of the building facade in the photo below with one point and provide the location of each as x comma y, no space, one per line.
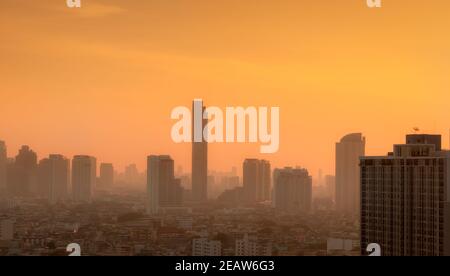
348,152
405,199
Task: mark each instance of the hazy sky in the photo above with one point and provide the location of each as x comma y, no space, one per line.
102,80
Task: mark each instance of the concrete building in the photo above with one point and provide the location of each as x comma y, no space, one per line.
106,176
163,189
253,246
348,152
256,180
405,199
53,178
292,190
84,175
206,247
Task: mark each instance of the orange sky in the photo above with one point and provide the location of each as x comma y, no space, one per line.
102,80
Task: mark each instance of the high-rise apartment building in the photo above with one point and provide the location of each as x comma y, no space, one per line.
22,174
84,174
348,152
163,189
256,180
53,178
292,190
106,176
405,204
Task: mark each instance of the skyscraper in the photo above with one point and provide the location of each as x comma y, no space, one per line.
3,163
256,179
163,190
292,190
84,173
21,175
405,200
348,152
199,154
106,175
53,178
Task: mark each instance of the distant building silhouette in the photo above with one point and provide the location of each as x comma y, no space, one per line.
330,185
106,176
405,202
348,152
3,165
53,178
84,174
256,180
199,158
163,189
292,190
21,175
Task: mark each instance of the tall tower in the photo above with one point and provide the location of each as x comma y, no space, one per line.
84,173
199,154
405,200
3,163
348,152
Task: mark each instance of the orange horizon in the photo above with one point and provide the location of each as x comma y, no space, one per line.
102,80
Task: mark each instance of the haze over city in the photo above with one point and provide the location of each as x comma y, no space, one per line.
102,80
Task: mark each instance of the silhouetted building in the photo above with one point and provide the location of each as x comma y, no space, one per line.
348,152
106,176
330,185
256,180
132,174
199,155
292,190
53,178
405,204
21,175
3,164
163,189
84,174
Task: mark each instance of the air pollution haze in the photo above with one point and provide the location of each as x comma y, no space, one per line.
103,79
224,128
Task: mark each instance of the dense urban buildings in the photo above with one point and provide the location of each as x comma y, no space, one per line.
348,151
199,155
84,174
292,190
53,178
405,199
206,247
256,180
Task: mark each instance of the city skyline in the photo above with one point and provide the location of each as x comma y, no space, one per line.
127,64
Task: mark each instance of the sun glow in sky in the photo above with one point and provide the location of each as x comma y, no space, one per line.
103,79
